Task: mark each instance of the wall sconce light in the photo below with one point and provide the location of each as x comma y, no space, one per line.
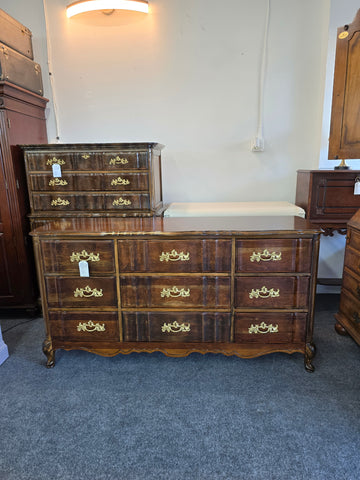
106,6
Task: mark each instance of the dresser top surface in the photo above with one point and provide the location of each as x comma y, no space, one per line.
138,226
73,147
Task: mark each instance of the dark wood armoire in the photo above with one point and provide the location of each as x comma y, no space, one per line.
22,120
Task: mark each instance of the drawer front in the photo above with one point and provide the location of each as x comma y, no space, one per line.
353,239
67,202
352,260
334,195
274,255
90,182
61,256
86,160
270,328
127,201
271,292
180,292
81,292
352,285
176,327
350,308
175,256
89,327
89,202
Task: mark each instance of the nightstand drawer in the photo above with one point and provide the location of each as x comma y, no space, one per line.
274,255
176,327
89,327
350,309
81,292
270,327
175,256
64,256
271,292
172,292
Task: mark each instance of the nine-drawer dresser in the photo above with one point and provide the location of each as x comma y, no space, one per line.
239,286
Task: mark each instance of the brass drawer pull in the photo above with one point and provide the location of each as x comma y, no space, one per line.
85,156
120,181
59,202
90,327
264,328
121,202
264,292
118,161
265,256
175,327
89,257
174,256
54,182
175,292
57,161
87,292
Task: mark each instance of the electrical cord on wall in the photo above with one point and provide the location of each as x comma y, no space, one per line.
258,142
51,76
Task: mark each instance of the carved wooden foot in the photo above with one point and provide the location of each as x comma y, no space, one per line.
340,329
49,352
310,351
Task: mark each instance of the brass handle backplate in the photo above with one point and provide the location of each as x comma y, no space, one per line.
89,257
265,256
54,160
263,328
118,161
120,181
174,256
90,327
55,182
121,202
175,327
264,292
59,202
88,292
175,292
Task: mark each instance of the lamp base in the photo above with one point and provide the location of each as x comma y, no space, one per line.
342,166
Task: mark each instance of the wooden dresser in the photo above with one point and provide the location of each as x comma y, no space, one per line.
79,180
348,317
239,286
328,197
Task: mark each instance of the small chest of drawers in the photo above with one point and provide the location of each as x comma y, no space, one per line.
78,180
238,286
348,316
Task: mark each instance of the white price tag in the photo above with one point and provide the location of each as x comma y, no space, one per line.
357,187
56,170
84,268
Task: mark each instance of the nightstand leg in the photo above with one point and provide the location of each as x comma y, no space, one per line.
340,329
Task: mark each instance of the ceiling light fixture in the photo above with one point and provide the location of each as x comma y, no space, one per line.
106,5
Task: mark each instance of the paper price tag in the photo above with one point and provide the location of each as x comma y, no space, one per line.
84,268
357,188
56,170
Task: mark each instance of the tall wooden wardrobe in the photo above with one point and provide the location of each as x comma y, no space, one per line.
22,121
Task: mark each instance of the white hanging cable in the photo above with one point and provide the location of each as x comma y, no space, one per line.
258,144
51,76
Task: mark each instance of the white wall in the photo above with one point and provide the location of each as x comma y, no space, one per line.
187,75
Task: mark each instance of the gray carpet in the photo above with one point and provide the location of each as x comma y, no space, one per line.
207,417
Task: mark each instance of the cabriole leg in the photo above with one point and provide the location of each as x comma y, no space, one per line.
310,351
49,352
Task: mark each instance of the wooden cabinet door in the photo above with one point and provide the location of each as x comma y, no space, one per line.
344,140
